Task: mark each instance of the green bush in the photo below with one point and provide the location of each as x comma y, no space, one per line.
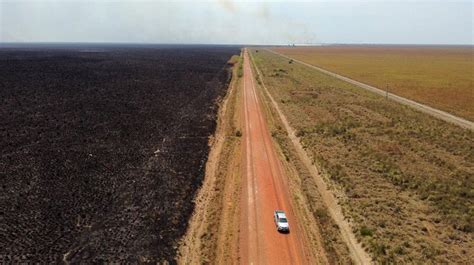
300,133
322,214
365,231
238,133
379,249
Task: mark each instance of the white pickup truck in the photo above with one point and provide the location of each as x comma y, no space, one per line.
281,222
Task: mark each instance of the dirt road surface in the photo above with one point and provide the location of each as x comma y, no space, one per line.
358,254
265,190
421,107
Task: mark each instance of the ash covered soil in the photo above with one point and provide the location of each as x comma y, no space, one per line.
103,149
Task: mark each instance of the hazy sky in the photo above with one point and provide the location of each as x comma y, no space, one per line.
238,22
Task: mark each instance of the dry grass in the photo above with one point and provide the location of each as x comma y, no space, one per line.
234,59
441,77
406,179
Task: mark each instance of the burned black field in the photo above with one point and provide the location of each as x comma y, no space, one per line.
103,149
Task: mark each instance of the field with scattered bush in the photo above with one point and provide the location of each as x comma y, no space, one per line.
103,149
439,76
404,179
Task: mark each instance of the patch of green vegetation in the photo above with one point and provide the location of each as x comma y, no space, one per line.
365,231
322,214
234,59
240,70
379,249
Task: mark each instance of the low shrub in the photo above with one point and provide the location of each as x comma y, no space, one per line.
365,231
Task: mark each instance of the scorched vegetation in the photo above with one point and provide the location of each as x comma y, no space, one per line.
103,149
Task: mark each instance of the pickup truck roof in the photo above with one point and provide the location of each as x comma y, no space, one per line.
280,214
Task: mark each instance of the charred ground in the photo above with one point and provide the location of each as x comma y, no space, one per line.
103,149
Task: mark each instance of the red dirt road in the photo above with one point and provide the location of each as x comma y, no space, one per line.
264,190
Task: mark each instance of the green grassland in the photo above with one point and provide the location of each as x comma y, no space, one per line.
405,179
441,77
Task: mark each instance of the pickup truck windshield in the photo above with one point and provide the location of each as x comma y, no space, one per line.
283,220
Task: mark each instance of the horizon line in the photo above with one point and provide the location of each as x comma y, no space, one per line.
230,44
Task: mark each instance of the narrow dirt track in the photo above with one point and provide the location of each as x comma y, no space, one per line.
264,190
